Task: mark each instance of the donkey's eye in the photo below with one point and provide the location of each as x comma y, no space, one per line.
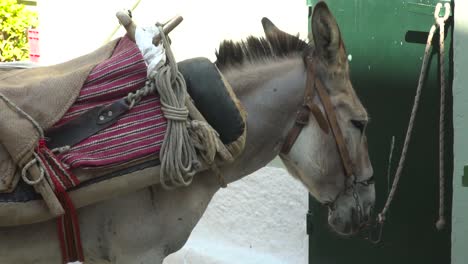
368,181
359,124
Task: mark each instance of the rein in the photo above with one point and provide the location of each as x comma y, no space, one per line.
308,106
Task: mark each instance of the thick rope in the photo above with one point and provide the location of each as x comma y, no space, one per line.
179,161
178,155
440,224
24,114
206,141
390,158
396,179
439,22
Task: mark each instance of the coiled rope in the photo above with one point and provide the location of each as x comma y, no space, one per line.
184,137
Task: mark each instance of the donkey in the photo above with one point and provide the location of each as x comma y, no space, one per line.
269,77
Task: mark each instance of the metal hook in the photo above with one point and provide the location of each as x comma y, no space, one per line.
438,7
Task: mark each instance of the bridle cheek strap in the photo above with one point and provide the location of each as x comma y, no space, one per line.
302,115
321,120
330,121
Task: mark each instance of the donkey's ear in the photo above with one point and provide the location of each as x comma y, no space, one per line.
326,34
268,27
271,31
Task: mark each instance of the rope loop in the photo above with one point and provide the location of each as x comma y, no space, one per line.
24,171
179,161
438,8
438,24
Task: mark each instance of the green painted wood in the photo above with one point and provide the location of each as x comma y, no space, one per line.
465,176
385,41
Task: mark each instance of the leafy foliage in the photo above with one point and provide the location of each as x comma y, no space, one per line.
15,20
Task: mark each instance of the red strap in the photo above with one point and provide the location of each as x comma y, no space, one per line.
69,231
68,228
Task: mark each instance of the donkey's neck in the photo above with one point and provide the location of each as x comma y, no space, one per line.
271,93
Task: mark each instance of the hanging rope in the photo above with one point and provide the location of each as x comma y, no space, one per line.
440,224
439,23
206,141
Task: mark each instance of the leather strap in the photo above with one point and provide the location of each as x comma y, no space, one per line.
302,118
340,141
86,125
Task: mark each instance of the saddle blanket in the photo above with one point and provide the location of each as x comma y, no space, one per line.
138,133
123,157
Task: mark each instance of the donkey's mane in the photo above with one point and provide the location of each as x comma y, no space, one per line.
256,49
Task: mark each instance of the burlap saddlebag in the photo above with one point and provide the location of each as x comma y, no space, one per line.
121,158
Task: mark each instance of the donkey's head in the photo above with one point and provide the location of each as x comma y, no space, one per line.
314,158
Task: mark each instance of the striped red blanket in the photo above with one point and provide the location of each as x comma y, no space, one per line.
136,134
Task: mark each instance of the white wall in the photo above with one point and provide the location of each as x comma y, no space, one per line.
460,125
263,215
260,219
70,28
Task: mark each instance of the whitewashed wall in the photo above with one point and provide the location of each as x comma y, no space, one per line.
260,219
70,28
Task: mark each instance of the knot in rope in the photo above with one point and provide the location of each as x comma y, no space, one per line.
178,156
135,98
204,139
175,113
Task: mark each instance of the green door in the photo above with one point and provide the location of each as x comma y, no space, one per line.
385,41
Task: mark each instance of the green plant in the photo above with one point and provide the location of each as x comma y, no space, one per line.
15,20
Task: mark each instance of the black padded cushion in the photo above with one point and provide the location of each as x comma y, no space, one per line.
207,89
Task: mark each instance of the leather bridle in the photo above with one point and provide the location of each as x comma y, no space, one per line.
302,118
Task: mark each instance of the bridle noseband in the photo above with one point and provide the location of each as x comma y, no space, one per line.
308,106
